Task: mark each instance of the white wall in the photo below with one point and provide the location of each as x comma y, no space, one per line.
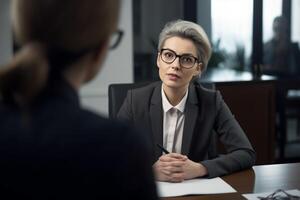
5,32
118,67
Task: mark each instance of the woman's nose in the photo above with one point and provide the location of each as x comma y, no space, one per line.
175,64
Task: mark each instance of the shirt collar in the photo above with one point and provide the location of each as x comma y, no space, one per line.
167,106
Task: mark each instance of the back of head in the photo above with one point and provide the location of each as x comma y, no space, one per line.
72,25
188,30
43,28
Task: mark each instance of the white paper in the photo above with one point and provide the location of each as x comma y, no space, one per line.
194,186
255,196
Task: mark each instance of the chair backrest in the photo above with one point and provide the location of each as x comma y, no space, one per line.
117,94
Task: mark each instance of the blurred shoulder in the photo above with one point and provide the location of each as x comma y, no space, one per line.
94,121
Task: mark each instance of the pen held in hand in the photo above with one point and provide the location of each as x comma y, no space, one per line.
162,148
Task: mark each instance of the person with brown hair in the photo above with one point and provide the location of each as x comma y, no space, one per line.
50,147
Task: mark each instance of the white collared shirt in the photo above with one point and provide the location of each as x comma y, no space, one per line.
173,123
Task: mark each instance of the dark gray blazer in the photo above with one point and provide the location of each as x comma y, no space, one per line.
57,150
207,118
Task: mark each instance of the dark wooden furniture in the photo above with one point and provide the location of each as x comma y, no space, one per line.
288,107
263,178
252,101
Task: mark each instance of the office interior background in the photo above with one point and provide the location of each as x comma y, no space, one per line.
238,30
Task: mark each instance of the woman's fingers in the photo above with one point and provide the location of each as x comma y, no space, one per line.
172,157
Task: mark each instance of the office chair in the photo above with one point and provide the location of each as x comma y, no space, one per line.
117,93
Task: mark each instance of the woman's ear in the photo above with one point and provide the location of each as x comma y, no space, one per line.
198,68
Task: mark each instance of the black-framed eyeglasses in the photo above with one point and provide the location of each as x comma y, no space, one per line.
185,60
115,39
279,195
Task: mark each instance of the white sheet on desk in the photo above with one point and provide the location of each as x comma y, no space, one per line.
194,186
254,196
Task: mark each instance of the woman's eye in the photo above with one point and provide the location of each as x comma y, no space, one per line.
169,55
187,59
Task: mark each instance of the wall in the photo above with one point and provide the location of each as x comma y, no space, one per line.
153,16
118,67
5,32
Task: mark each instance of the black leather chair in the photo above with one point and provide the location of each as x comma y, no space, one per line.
117,93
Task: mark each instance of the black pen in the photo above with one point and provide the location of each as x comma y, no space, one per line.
163,149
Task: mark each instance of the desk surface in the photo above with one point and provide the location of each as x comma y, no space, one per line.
262,178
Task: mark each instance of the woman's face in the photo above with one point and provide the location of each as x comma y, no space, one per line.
174,75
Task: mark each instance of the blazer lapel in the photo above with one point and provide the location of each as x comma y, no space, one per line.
191,115
156,118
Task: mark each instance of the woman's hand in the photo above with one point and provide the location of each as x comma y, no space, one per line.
169,167
175,167
193,169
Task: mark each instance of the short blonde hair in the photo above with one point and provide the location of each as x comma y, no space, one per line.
188,30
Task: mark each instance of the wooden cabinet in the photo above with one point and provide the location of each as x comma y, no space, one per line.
252,101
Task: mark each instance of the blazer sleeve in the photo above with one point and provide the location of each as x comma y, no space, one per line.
240,154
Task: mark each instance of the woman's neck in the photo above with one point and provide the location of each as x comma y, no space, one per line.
77,73
174,95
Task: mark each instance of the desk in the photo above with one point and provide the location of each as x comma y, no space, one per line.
262,178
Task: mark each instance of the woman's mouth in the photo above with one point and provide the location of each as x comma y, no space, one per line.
173,77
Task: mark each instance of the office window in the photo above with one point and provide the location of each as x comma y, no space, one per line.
271,9
281,57
295,26
232,32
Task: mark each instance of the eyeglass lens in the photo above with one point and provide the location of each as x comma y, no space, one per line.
186,61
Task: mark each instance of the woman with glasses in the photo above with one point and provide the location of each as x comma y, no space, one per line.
183,118
51,148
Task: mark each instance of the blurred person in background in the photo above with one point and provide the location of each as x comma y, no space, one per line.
281,56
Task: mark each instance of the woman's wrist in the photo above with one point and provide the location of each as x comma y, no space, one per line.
202,171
